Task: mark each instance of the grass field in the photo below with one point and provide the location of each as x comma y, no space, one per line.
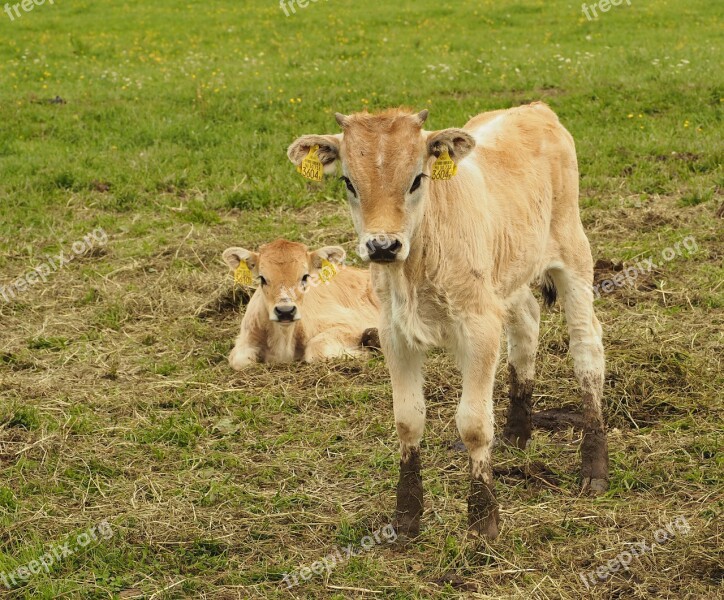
162,128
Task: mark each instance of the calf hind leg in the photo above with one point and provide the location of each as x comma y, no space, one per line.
586,348
522,332
333,343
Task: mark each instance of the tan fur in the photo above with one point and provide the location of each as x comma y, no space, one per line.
469,248
330,317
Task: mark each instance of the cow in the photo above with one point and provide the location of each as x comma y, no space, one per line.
308,305
454,253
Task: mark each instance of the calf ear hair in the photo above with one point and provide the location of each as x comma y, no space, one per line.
328,149
234,256
334,254
458,142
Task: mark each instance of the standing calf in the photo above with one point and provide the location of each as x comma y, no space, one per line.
294,315
453,260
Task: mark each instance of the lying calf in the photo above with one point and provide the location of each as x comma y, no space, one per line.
308,305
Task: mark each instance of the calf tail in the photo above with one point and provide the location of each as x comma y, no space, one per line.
548,289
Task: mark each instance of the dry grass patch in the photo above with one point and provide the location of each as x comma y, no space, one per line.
119,405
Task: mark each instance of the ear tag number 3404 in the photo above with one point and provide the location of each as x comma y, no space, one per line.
311,167
444,167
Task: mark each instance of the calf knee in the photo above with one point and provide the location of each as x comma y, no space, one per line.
476,432
410,430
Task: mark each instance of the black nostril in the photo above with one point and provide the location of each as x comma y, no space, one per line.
395,246
285,312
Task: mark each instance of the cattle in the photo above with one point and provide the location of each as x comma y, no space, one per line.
308,305
458,224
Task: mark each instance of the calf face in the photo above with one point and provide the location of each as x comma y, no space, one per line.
284,271
386,163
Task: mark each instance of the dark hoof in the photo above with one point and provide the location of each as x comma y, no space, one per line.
371,339
594,486
483,515
487,529
409,496
594,461
516,438
407,530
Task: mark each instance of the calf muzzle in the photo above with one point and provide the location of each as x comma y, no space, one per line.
285,313
383,249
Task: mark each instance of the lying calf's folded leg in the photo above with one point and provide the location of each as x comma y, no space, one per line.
333,343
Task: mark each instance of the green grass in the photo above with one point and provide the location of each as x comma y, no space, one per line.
116,401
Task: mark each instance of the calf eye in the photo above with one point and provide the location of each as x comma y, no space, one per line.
349,185
262,281
305,280
417,182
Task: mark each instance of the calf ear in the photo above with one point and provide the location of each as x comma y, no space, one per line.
333,254
234,256
328,150
458,142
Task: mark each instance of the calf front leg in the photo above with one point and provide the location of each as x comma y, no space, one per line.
405,366
478,357
245,351
586,348
242,357
251,339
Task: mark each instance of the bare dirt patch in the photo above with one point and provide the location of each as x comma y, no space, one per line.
557,419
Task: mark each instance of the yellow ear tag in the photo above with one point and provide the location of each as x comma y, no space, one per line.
444,167
311,167
327,272
243,275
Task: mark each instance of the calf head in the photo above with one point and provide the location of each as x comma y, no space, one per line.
284,271
386,160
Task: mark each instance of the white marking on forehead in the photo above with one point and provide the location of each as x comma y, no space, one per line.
378,160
